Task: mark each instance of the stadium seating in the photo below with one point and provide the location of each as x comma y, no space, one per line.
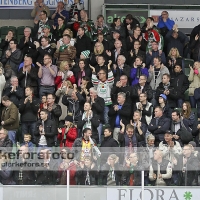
20,32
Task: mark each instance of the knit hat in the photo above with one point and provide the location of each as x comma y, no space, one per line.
47,26
163,96
193,143
69,118
86,53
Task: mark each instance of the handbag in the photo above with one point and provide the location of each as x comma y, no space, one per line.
184,134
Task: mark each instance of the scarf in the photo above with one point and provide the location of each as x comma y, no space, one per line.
63,47
41,27
175,126
88,123
80,75
139,71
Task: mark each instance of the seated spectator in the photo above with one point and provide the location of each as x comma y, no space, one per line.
145,108
4,45
65,52
188,115
135,35
38,7
57,30
4,139
137,70
40,23
154,53
47,33
133,170
120,68
160,171
13,56
98,105
14,91
86,84
147,24
189,167
85,23
122,86
6,173
28,108
60,12
178,122
118,50
103,86
115,36
176,39
155,76
65,88
27,46
67,134
158,125
68,31
101,39
136,52
172,151
45,131
10,118
2,81
74,105
173,59
27,142
44,49
100,27
141,87
111,171
117,25
8,73
83,42
86,173
165,24
74,9
89,120
119,112
130,22
28,75
194,78
180,83
66,164
47,74
98,51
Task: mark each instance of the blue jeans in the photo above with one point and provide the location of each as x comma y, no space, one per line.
106,118
100,128
46,90
193,101
28,127
179,103
12,135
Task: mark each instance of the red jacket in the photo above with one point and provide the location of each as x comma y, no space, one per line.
58,81
71,135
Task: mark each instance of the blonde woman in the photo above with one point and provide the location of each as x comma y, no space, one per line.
194,78
2,81
173,59
64,74
65,88
98,51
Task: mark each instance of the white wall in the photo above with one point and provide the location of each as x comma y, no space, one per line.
95,8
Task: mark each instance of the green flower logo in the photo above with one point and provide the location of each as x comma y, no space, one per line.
188,195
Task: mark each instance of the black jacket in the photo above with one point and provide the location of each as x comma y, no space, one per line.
50,130
14,96
147,89
159,130
93,60
82,44
134,23
7,143
105,44
55,113
180,83
94,125
122,52
29,110
124,114
131,59
31,78
98,108
42,52
118,72
28,48
74,107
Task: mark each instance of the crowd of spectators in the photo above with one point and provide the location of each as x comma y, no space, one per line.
110,100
